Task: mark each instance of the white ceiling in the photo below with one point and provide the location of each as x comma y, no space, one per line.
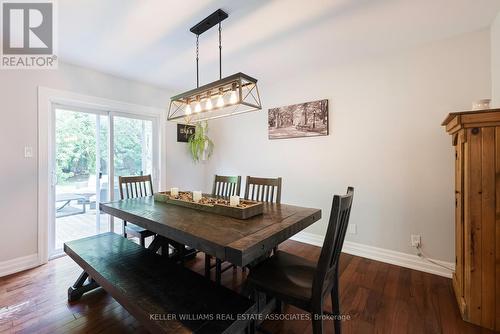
149,40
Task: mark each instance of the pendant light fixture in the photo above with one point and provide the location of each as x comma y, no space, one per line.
232,95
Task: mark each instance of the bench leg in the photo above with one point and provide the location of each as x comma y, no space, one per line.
76,291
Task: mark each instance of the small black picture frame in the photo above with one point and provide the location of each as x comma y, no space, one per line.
184,131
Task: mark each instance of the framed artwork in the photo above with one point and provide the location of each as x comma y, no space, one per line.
184,131
308,119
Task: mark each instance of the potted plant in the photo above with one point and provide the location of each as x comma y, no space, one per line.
201,146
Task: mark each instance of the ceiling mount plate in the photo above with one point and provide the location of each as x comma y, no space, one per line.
215,18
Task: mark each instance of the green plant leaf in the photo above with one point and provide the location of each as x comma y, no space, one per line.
199,142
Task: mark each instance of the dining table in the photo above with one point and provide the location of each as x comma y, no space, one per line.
238,241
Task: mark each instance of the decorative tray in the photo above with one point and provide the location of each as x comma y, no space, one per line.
218,205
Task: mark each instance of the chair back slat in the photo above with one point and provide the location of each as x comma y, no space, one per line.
225,186
135,186
327,269
263,189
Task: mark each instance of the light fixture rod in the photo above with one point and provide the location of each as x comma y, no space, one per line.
220,51
197,60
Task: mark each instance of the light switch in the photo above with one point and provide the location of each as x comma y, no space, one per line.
28,152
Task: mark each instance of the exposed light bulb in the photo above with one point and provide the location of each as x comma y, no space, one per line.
197,107
233,99
188,109
208,105
220,101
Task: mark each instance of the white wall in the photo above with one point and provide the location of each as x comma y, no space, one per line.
495,62
386,140
18,128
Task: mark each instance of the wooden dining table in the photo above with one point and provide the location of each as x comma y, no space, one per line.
240,242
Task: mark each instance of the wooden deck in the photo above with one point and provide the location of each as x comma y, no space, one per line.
378,298
83,225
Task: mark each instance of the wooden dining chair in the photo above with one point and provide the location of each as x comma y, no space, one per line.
263,189
134,187
294,280
224,186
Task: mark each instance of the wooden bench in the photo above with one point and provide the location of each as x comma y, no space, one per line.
163,296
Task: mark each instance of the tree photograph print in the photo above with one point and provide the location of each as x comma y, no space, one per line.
299,120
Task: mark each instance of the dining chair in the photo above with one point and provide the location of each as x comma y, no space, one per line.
294,280
135,187
226,186
263,189
223,186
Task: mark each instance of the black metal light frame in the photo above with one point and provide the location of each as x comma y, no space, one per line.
239,90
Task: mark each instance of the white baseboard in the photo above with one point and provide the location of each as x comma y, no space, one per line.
18,264
381,254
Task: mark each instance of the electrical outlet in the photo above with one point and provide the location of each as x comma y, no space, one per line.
352,228
415,240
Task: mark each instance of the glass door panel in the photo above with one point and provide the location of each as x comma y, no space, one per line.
81,170
133,151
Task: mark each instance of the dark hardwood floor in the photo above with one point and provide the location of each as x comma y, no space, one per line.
378,298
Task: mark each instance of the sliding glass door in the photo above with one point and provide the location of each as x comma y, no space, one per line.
91,149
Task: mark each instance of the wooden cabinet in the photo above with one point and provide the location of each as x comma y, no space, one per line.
476,281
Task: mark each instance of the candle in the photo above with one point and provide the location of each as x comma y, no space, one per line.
196,196
174,192
234,200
